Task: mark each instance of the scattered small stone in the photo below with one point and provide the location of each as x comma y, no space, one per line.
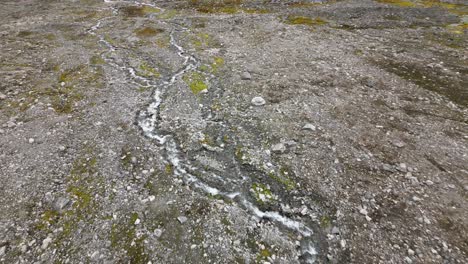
429,183
309,127
46,242
387,167
246,76
137,221
151,198
157,232
11,124
2,96
31,140
193,246
278,148
258,101
2,131
62,84
399,144
343,244
408,260
335,230
61,203
2,251
403,167
182,219
363,211
410,252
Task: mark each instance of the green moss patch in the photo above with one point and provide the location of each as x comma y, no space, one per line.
401,3
147,32
138,11
196,82
124,238
301,20
148,71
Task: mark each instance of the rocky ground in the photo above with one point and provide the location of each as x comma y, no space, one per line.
233,131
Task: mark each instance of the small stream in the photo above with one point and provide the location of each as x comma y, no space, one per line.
148,120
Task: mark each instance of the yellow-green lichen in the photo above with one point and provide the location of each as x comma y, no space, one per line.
301,20
148,71
401,3
196,82
262,193
124,237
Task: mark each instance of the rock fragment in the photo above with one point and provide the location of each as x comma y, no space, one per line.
246,76
278,148
309,127
182,219
46,242
258,101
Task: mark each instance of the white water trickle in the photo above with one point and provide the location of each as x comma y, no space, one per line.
148,122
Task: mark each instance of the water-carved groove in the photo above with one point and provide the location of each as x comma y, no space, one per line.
148,119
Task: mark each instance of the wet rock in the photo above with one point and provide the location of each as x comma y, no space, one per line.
246,76
309,127
278,148
258,101
182,219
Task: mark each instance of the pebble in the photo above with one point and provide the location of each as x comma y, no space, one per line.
246,76
157,232
2,96
46,242
182,219
2,251
410,252
335,230
278,148
399,144
258,101
137,221
363,211
61,203
408,260
10,124
31,140
309,127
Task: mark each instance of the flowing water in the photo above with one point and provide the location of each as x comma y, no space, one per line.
226,185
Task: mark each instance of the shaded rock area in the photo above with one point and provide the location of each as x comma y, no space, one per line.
233,131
